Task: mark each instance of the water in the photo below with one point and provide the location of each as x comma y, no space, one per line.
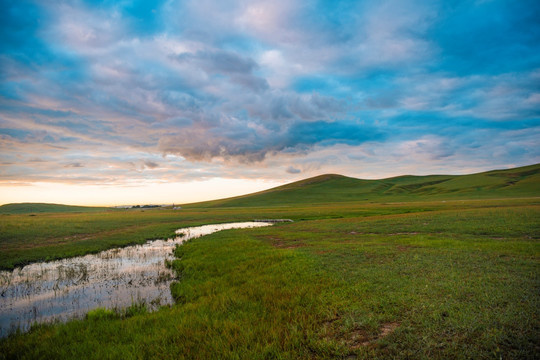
69,288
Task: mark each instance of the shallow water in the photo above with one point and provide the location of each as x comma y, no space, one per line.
116,278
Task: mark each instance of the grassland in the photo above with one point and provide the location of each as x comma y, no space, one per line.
37,208
331,188
33,237
425,278
39,232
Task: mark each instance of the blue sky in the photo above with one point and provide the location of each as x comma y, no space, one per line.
133,94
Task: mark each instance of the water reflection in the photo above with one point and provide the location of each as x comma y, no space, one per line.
115,278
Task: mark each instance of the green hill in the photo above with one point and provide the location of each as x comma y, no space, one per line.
332,188
35,208
517,182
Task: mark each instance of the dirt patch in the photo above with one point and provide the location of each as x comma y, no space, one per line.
281,243
287,245
357,339
405,248
78,237
360,338
388,328
322,252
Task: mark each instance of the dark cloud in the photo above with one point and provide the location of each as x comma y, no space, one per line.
293,170
225,62
218,62
74,165
281,107
150,164
248,145
252,82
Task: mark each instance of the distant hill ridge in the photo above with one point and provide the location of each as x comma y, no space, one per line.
333,188
517,182
35,208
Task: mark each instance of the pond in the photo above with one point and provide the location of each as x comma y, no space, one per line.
117,278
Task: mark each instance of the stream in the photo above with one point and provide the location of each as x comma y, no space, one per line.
117,278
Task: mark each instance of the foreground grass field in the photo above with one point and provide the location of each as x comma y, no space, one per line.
432,280
402,274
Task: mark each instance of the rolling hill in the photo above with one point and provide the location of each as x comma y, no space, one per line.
332,188
36,208
517,182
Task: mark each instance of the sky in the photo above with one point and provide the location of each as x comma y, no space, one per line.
130,101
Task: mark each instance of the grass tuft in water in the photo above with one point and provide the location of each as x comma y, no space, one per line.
101,314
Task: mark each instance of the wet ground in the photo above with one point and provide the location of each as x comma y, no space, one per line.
69,288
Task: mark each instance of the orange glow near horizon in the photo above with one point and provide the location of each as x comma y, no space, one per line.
152,193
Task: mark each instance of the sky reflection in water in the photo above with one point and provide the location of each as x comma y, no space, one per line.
115,278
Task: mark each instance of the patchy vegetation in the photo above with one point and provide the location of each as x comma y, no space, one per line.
431,279
330,188
38,208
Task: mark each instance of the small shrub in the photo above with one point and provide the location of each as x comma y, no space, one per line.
100,314
135,309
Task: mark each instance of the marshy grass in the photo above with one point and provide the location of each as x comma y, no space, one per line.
457,281
435,267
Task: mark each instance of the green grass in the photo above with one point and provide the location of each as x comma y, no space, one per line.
37,208
49,236
433,267
448,283
518,182
40,232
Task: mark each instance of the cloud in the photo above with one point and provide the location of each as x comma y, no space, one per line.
293,170
250,145
150,164
427,147
218,61
237,89
74,165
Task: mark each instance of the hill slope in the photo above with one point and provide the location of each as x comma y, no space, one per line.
34,208
517,182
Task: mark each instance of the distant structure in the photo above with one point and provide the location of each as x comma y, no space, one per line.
139,206
272,220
